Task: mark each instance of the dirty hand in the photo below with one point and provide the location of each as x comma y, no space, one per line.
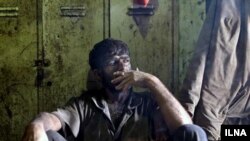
123,80
34,133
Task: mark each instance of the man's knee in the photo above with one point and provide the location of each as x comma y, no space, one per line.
54,136
190,132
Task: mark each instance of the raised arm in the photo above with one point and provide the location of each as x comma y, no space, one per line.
173,112
36,129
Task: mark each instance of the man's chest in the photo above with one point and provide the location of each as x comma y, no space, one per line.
130,126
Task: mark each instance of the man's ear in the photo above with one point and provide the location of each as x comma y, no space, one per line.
97,75
94,80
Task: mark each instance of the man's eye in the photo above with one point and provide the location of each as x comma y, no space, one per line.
126,60
111,63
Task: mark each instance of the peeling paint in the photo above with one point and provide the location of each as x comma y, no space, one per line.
66,43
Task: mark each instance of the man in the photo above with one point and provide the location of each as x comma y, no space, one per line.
116,112
216,89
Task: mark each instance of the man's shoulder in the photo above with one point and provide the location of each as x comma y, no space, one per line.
87,96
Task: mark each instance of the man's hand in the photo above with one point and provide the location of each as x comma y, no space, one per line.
173,113
124,80
34,132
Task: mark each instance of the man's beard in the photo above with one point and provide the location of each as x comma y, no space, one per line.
106,82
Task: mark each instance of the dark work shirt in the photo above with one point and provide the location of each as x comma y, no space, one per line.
87,118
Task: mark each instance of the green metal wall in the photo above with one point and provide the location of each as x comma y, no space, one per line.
18,97
192,14
67,40
150,38
44,49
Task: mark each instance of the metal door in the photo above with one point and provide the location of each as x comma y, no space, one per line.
18,45
191,16
70,29
150,32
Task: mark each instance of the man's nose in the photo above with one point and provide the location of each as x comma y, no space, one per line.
121,65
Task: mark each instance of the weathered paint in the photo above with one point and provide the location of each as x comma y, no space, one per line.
149,37
191,17
160,44
18,99
67,41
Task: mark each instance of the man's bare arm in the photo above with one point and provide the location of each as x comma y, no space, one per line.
36,130
173,112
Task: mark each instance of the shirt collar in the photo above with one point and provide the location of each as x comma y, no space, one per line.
132,102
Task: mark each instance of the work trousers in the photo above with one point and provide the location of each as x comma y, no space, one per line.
187,132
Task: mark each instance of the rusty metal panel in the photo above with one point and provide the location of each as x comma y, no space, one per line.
18,99
8,17
149,36
57,42
70,29
191,17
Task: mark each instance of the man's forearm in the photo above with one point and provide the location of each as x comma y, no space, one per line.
36,130
173,112
47,121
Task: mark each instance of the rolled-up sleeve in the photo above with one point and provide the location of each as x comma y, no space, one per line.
69,115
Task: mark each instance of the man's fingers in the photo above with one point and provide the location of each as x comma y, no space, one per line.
123,84
118,73
119,76
127,85
117,79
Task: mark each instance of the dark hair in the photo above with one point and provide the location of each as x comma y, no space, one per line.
104,49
